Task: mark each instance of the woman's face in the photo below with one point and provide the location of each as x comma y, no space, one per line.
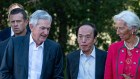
123,30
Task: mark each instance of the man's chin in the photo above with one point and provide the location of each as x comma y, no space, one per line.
16,32
42,40
84,50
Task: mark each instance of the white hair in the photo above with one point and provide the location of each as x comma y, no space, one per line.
39,14
130,18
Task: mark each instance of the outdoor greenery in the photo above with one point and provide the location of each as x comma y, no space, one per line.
67,14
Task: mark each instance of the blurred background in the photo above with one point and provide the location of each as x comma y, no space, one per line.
68,14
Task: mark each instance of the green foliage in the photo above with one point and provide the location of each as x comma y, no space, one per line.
67,14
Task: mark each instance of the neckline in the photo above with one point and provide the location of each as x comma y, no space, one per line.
133,46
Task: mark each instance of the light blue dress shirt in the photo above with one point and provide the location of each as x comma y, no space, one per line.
87,66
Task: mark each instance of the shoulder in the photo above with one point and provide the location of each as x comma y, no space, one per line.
8,29
114,47
51,42
18,40
117,44
5,31
4,34
73,53
101,52
3,43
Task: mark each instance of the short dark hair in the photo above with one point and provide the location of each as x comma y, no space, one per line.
19,10
90,24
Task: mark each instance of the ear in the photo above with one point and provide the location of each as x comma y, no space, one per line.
26,21
77,39
134,30
31,27
95,39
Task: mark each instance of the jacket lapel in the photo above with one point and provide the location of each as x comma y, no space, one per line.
25,46
45,58
76,64
97,65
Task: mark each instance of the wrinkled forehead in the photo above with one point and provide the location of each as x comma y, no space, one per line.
119,23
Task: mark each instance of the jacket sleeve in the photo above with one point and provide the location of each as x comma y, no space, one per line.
108,74
6,68
67,68
59,64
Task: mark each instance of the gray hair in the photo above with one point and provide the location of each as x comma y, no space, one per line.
39,14
130,18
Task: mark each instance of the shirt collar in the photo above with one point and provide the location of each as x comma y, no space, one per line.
33,42
92,53
12,33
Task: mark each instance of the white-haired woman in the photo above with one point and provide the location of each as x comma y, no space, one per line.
123,60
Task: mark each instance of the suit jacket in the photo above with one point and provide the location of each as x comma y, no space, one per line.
6,33
73,60
116,59
15,61
3,45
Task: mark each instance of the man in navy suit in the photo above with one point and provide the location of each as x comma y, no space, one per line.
18,21
33,56
88,62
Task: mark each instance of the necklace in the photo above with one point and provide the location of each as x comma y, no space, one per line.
133,46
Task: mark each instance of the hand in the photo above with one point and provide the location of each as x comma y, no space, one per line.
126,76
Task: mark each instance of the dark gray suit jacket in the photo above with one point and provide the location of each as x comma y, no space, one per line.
73,60
4,34
15,61
3,45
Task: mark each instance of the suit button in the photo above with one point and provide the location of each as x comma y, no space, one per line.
121,62
134,62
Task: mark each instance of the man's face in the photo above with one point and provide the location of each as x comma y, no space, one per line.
18,24
41,31
122,30
86,38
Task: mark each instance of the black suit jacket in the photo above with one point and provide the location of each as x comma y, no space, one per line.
15,61
73,60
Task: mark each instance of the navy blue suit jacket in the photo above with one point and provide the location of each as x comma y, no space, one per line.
15,61
3,45
73,60
5,34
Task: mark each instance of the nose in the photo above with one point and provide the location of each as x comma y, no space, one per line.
83,40
15,23
46,32
117,31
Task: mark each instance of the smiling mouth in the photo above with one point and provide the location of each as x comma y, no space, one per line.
44,36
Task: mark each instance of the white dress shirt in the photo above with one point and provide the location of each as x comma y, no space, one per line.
35,59
87,66
12,32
